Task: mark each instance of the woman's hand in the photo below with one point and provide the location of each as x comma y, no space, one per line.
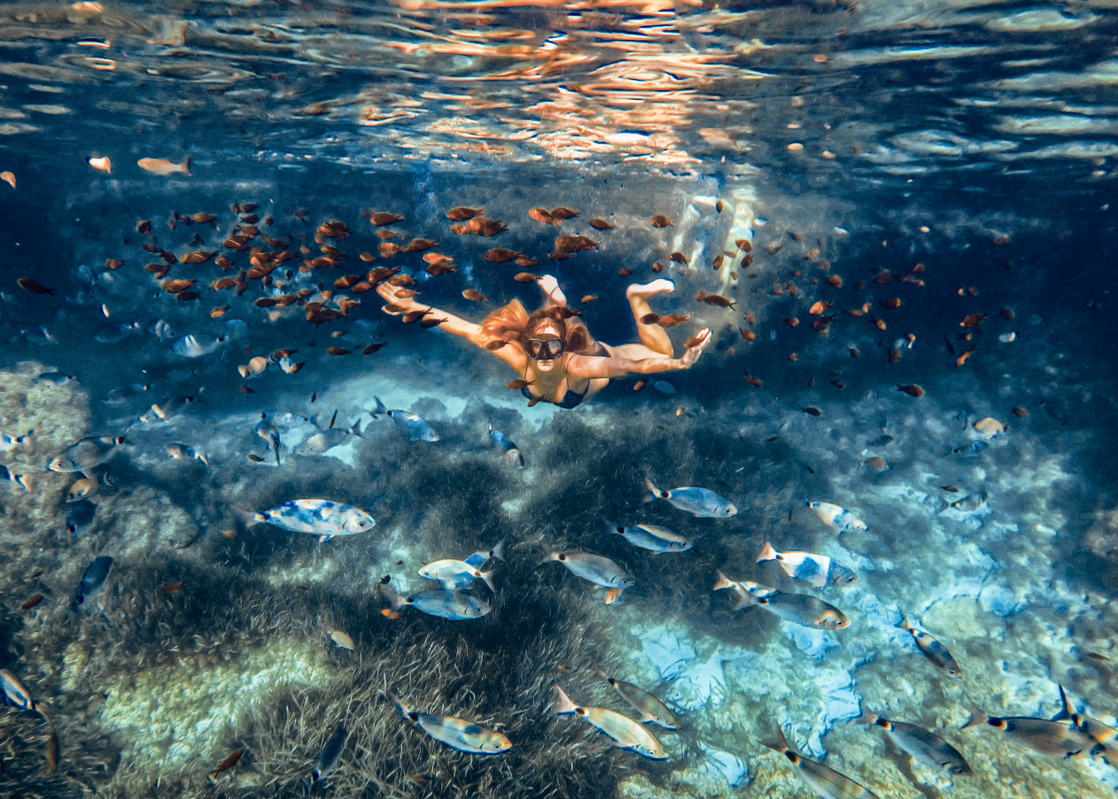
693,353
390,294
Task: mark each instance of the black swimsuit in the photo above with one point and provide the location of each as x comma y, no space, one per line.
572,398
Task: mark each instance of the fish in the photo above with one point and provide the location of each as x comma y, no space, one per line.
81,489
190,346
101,163
163,167
627,733
181,452
226,764
1102,733
166,409
825,781
9,442
454,574
15,694
267,431
254,368
596,569
1058,738
651,537
600,224
661,221
27,284
932,649
85,454
746,591
512,454
543,215
340,638
716,299
971,502
461,213
452,605
114,333
972,320
799,609
499,255
460,734
325,439
475,295
819,570
651,708
701,502
328,758
8,178
80,517
31,601
322,517
93,579
384,218
912,390
990,428
480,558
417,428
923,746
839,519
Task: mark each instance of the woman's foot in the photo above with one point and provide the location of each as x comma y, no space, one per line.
660,286
550,286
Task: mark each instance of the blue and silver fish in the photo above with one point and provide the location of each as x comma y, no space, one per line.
651,537
328,758
86,454
923,746
121,395
627,733
116,333
453,605
837,518
818,570
505,444
597,569
93,580
417,428
196,346
322,517
325,439
80,517
267,431
454,574
933,650
701,502
460,734
825,781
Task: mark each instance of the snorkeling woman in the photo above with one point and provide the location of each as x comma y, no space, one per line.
558,360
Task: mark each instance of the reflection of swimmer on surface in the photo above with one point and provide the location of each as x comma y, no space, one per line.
557,357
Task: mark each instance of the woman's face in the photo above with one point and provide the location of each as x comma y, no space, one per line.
544,330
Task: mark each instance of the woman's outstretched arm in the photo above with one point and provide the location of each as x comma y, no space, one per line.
591,367
510,353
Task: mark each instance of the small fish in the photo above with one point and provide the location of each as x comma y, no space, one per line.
990,428
818,570
971,503
475,295
341,638
455,574
254,368
799,609
452,605
627,733
912,390
163,167
700,502
825,781
197,346
31,602
93,580
480,558
661,221
86,454
82,489
461,213
926,748
746,591
600,224
15,693
322,517
181,452
267,431
511,452
9,442
114,333
837,518
460,734
595,568
101,163
80,517
1104,734
417,429
226,764
166,409
328,758
39,335
27,284
1060,738
8,178
933,650
972,320
651,537
651,708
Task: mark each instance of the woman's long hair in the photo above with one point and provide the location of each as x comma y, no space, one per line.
512,323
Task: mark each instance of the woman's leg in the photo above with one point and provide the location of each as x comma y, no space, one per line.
550,286
653,337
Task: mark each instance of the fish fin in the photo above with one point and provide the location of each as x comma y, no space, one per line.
394,598
866,717
767,553
498,551
332,420
186,168
379,410
978,716
903,623
490,420
778,744
563,703
390,614
405,711
601,672
653,491
324,538
613,528
247,517
747,600
722,582
488,578
550,556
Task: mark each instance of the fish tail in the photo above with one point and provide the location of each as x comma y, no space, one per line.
498,551
490,421
903,624
276,450
978,716
394,598
405,711
550,556
614,595
778,744
767,553
601,672
488,578
613,528
747,600
184,167
1068,712
563,703
866,717
654,492
247,517
722,581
